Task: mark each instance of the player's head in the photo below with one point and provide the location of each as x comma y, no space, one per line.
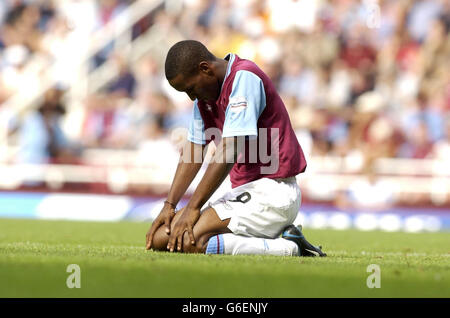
190,68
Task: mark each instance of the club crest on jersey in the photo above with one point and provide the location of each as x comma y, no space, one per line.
237,104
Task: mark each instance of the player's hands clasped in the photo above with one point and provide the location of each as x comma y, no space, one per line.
164,218
184,224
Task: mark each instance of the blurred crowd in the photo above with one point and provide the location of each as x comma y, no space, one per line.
361,79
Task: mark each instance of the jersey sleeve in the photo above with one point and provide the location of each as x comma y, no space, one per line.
196,133
246,103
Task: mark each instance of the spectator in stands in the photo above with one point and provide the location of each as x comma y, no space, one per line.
124,84
418,143
368,193
156,140
13,73
441,149
425,113
41,137
421,17
107,11
22,23
299,81
106,117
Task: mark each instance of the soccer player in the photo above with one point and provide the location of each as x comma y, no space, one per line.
236,106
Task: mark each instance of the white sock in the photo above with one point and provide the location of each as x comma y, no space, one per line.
241,245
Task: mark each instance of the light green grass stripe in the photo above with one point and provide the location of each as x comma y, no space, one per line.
34,256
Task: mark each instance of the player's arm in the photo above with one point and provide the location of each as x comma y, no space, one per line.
190,162
218,169
191,158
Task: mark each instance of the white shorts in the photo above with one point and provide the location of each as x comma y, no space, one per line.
262,208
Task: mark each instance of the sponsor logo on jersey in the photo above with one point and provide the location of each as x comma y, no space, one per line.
237,104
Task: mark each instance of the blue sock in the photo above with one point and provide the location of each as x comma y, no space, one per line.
215,245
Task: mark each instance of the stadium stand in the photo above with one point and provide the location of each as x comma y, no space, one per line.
85,107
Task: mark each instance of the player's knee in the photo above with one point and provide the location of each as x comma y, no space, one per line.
200,245
197,247
203,242
160,240
188,247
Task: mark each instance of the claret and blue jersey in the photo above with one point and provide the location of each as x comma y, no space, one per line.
249,105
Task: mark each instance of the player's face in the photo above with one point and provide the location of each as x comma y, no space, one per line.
202,86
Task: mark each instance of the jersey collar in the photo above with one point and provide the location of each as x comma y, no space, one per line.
230,58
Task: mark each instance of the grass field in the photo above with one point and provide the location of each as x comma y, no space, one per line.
34,256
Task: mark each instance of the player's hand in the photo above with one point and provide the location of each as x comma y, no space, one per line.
164,218
185,223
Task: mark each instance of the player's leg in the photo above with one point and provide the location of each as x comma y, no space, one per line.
259,212
245,221
291,243
212,236
209,224
233,244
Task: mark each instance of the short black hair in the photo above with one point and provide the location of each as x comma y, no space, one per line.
184,57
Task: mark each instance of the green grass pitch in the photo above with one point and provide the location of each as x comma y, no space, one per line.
34,256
